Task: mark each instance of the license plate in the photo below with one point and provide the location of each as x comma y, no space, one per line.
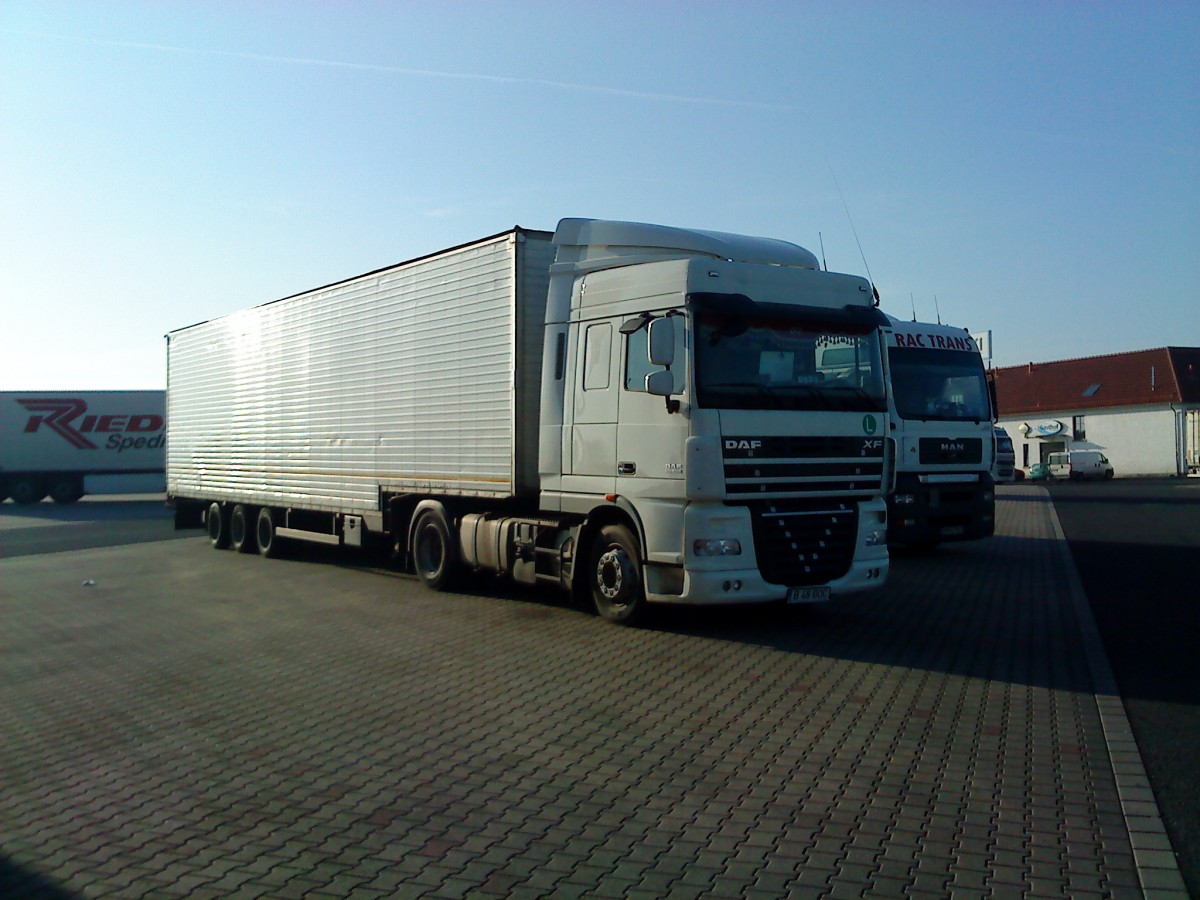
808,594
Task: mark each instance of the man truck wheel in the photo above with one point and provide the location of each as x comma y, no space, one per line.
616,577
434,554
218,527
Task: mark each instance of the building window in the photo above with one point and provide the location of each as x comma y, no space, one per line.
1078,429
1025,456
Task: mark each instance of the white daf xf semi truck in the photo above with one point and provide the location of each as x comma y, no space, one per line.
942,438
635,413
65,444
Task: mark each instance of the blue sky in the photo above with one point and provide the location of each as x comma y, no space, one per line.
1035,167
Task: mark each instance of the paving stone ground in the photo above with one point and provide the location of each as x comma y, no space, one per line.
206,724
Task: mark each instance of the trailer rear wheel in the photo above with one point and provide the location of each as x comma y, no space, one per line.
241,537
616,576
27,490
264,532
218,527
66,489
434,554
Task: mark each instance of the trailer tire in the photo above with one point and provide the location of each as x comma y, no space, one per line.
264,533
218,527
27,491
615,576
66,489
435,556
241,535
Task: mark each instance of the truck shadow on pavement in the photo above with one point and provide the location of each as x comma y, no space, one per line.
19,883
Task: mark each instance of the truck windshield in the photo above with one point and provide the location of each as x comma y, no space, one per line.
763,362
946,385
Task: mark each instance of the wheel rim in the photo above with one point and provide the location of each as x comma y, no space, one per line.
237,527
615,576
266,532
431,555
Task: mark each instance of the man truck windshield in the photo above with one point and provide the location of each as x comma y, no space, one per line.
779,362
947,385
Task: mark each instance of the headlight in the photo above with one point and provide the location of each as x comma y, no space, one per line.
905,499
717,547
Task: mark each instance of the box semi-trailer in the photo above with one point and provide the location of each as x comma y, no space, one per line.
635,413
69,443
943,442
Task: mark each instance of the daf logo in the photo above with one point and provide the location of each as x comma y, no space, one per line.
953,447
733,444
870,445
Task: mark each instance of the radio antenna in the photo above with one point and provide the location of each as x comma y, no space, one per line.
914,305
854,231
937,309
821,238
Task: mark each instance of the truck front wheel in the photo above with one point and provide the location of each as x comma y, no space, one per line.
434,554
616,576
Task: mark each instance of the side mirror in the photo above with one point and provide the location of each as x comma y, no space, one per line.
662,341
660,383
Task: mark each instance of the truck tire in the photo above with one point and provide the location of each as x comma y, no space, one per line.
435,556
27,491
241,533
218,527
615,576
66,489
264,533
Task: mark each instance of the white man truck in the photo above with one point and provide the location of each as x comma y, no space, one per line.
69,443
942,438
631,412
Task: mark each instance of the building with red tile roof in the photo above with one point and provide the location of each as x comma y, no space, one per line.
1141,409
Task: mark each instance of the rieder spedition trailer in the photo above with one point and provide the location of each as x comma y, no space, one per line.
633,412
942,431
69,443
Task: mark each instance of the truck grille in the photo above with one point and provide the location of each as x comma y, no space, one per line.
757,468
950,450
804,542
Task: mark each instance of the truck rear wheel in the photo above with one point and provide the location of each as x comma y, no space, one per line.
218,527
264,531
435,556
27,491
241,536
615,575
66,489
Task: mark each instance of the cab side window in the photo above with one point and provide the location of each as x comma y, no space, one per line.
637,358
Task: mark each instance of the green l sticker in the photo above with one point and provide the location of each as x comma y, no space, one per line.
869,424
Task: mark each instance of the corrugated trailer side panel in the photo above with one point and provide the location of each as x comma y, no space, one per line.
398,380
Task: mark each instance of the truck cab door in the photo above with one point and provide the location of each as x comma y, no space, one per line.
590,462
650,438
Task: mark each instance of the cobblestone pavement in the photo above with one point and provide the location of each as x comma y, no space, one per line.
210,725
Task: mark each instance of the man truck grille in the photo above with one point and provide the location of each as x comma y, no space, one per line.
798,467
804,542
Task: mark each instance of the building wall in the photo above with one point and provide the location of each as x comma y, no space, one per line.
1141,441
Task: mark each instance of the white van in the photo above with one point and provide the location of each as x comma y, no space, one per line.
1079,464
